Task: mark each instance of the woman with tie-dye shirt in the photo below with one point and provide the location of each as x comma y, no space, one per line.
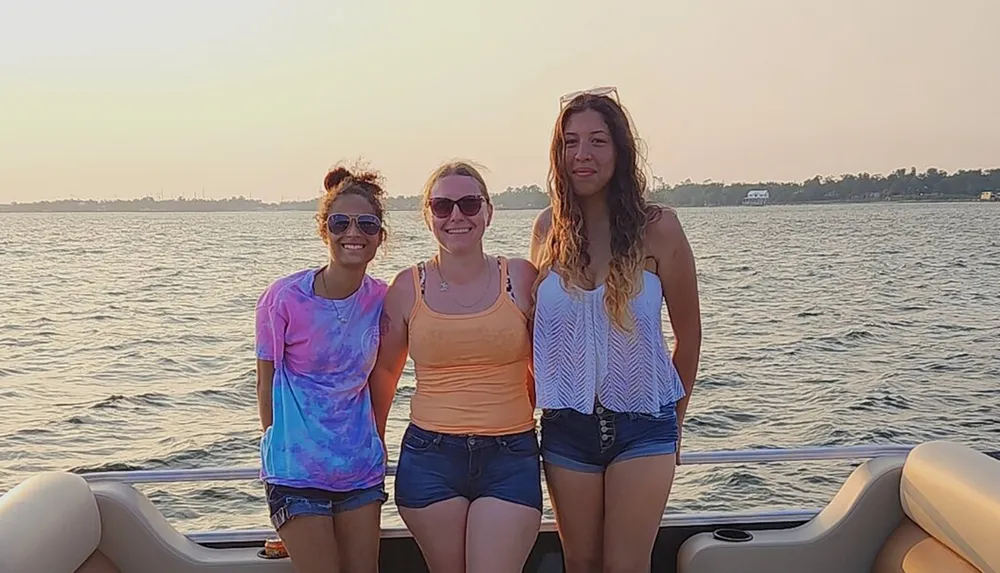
322,461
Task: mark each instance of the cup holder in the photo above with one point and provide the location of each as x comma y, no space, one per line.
732,535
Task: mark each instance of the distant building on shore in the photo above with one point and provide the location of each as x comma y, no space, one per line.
756,198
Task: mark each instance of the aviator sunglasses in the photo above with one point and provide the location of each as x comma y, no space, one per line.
338,223
469,205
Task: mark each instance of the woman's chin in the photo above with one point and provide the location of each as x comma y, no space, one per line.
351,258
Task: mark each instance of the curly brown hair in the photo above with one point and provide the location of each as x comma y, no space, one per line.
566,247
341,181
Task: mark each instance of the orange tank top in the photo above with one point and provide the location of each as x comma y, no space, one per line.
471,369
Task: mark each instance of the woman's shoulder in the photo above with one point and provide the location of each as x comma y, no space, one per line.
543,221
520,267
399,290
280,286
663,226
376,285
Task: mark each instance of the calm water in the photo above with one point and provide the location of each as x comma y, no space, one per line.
126,341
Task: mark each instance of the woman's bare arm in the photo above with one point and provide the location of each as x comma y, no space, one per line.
679,278
393,347
539,235
265,378
522,279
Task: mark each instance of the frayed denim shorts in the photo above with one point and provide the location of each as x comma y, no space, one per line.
286,503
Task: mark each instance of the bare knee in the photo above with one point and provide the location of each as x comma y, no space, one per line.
587,561
626,564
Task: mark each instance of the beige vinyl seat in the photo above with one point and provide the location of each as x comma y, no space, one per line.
935,511
50,524
56,522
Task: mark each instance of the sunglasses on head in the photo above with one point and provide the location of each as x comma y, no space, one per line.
338,223
596,92
442,207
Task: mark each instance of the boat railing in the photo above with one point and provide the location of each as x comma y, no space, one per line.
753,456
761,455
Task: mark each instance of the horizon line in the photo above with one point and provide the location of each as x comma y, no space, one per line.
664,185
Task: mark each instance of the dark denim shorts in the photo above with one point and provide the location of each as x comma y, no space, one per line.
592,442
434,467
286,502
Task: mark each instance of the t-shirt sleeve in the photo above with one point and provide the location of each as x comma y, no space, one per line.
270,322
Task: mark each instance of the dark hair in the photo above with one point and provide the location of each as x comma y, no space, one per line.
341,181
627,208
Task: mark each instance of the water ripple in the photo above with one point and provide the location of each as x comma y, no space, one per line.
131,346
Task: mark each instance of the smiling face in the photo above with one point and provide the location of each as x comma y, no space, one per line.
351,246
588,153
461,227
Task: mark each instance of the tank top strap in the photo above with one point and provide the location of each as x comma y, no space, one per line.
505,277
419,274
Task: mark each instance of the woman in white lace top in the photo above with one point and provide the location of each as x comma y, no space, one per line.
613,399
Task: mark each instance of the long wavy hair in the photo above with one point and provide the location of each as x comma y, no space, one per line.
566,246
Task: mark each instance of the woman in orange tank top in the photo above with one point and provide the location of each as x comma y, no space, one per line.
468,481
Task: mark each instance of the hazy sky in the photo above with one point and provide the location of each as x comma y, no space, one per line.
129,98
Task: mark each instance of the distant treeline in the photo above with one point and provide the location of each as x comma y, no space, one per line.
902,184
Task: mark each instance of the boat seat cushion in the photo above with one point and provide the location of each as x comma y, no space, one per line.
48,524
952,492
910,549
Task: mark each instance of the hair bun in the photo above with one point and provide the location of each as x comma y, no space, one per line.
335,177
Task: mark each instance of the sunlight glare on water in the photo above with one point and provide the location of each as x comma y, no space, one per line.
127,341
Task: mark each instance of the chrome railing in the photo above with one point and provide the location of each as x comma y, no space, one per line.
763,455
687,459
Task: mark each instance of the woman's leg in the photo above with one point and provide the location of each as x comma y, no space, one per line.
507,512
578,502
311,544
635,496
574,476
430,480
303,519
636,487
357,525
499,535
439,530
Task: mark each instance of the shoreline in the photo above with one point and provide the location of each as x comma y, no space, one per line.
8,208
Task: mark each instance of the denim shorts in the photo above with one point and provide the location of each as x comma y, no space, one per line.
286,502
592,442
434,467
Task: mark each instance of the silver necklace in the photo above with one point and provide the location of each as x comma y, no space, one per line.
343,319
443,284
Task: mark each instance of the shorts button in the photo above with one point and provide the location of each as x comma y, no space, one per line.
600,410
605,437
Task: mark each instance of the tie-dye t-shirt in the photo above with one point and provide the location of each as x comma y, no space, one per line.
323,435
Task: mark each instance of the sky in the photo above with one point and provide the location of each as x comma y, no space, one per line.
219,98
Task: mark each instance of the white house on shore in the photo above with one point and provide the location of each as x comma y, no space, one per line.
756,197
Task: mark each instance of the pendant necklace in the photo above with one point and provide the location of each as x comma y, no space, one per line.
343,319
443,283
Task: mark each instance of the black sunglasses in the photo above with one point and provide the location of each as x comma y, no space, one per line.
338,223
469,205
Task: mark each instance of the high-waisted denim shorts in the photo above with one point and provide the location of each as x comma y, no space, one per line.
592,442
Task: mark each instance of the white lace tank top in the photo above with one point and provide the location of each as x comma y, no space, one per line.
580,355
